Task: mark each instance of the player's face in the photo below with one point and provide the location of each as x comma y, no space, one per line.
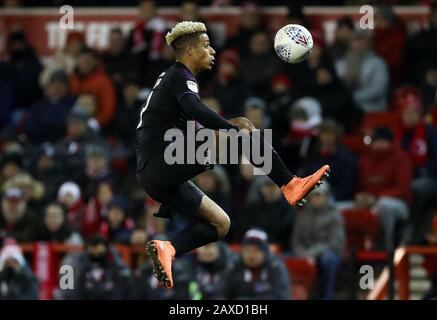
203,53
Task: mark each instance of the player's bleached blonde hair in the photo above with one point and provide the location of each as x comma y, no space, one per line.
184,28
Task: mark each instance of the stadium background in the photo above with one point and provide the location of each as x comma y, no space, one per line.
69,102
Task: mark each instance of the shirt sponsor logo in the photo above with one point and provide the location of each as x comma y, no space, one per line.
192,86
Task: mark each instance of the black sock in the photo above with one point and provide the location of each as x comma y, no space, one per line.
279,173
195,235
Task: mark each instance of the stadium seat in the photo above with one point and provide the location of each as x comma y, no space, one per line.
303,275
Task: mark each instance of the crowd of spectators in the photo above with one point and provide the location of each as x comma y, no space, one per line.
67,152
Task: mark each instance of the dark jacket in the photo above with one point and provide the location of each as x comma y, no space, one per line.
147,286
18,286
22,231
47,120
318,230
275,218
343,177
212,277
111,280
270,282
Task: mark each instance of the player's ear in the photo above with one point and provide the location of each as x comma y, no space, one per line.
189,50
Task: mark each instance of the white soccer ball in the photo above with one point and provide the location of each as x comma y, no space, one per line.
293,43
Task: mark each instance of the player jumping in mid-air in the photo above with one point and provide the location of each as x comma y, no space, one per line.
173,101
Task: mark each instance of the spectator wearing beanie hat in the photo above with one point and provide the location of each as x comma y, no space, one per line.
17,282
69,196
258,274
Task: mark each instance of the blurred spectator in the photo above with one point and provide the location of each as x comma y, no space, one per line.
16,220
17,282
255,111
330,150
102,275
117,60
97,208
46,169
55,227
26,69
97,169
11,165
73,149
190,11
34,190
146,40
260,64
213,264
343,31
215,184
303,74
86,104
429,92
419,140
47,120
365,73
258,274
128,111
229,89
421,49
268,209
304,117
70,197
90,78
118,226
250,23
147,287
335,99
283,95
319,234
384,180
7,94
389,38
65,59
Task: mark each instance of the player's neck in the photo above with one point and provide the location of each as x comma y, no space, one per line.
189,66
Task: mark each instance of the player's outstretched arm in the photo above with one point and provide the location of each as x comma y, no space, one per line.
201,113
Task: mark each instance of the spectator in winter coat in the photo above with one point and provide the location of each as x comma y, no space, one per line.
419,140
90,78
16,220
330,150
69,197
17,282
258,274
118,226
55,227
365,73
47,120
213,264
319,234
267,211
102,274
384,183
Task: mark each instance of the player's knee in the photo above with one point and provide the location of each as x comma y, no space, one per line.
223,226
243,123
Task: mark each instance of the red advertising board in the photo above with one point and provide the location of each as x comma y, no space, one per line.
44,31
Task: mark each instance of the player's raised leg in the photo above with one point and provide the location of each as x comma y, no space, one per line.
294,188
211,224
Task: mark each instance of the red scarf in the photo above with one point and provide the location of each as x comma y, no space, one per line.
418,147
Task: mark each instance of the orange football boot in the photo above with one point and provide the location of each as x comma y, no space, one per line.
162,254
297,189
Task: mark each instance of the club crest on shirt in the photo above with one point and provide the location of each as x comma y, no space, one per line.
192,86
